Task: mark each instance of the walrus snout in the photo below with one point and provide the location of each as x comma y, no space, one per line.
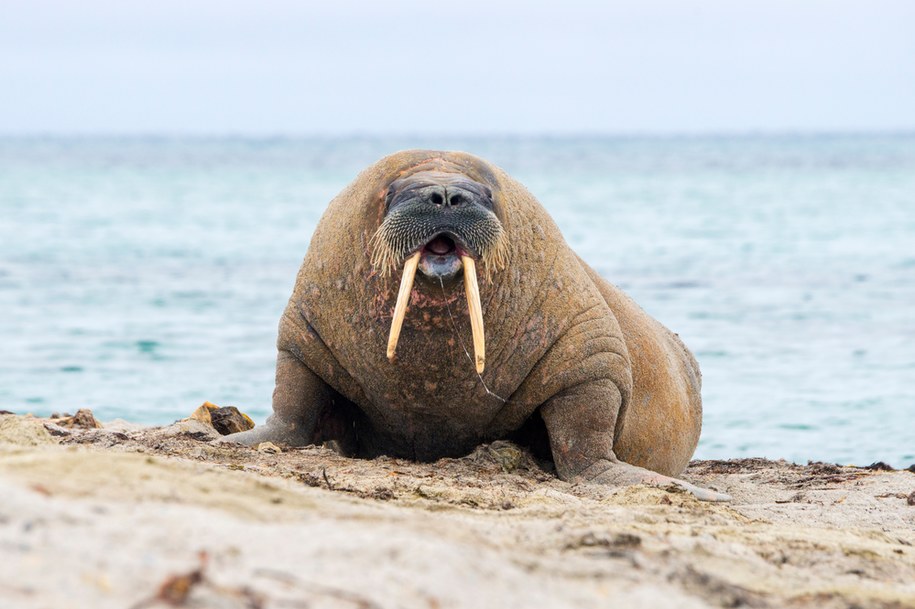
451,195
428,205
439,189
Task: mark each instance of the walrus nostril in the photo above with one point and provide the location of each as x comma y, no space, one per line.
436,198
456,199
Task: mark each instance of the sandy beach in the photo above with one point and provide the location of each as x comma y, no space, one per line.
127,516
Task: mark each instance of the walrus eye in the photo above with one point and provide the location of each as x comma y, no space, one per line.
389,197
484,194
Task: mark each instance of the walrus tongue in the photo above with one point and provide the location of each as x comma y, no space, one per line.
472,291
440,246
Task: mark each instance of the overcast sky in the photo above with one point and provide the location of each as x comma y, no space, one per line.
455,66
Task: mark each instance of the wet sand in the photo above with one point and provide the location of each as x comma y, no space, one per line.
124,516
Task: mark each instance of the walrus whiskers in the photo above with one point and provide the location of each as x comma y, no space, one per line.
403,298
472,289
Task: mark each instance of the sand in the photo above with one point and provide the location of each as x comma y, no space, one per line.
123,516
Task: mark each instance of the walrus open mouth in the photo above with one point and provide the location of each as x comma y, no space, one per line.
436,259
441,245
440,258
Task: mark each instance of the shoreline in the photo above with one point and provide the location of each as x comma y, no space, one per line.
129,516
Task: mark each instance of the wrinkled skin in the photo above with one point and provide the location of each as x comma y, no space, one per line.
612,393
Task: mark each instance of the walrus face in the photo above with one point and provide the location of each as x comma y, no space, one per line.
444,217
439,222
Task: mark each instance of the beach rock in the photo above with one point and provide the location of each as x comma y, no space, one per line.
229,419
23,431
269,447
83,419
225,420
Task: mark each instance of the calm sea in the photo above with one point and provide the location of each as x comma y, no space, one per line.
142,276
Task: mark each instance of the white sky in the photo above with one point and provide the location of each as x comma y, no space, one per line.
455,66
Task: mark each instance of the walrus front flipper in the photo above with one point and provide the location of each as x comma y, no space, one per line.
299,397
579,423
618,473
274,430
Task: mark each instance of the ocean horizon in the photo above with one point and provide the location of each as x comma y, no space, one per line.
143,275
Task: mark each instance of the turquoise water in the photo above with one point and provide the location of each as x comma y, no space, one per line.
142,276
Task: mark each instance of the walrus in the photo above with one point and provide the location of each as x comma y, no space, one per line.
495,329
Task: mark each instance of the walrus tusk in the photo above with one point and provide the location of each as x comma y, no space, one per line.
403,298
476,312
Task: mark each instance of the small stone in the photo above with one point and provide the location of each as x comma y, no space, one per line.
911,498
269,447
83,419
229,419
57,430
226,420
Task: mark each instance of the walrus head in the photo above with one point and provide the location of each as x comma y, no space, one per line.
440,223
